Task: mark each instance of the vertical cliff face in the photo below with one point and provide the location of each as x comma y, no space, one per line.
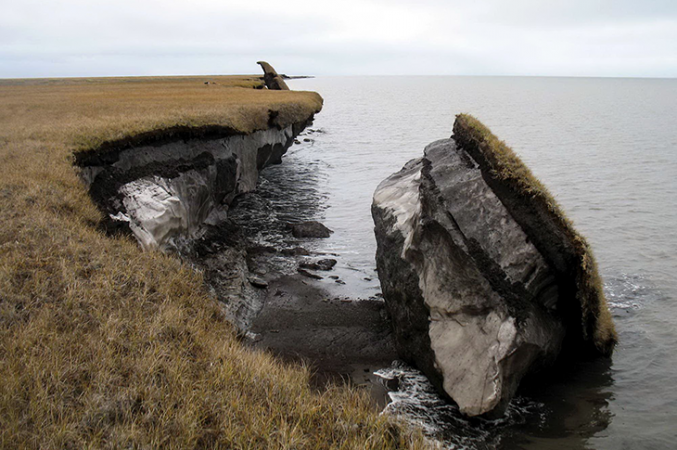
172,191
166,190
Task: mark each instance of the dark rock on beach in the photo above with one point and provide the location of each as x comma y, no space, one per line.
305,273
310,229
296,251
261,249
323,264
258,282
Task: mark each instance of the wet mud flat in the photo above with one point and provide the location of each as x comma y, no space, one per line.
305,317
341,339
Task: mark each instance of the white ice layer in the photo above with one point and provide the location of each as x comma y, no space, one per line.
161,211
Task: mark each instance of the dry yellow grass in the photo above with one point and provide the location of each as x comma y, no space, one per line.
596,325
105,346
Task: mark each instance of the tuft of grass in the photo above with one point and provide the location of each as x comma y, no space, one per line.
103,345
504,166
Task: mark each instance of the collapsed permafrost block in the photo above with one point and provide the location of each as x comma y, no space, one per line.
484,278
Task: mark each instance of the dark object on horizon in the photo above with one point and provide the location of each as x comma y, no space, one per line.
271,78
484,277
310,229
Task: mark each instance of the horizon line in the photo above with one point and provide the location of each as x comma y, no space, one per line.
76,77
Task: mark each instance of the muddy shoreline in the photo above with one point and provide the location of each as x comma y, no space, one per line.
295,316
340,339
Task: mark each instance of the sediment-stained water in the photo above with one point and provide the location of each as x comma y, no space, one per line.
607,150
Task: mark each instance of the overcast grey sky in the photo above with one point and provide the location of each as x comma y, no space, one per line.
40,38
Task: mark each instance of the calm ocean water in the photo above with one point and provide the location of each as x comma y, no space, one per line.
607,150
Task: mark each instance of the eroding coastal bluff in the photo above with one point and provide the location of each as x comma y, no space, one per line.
484,277
104,343
172,189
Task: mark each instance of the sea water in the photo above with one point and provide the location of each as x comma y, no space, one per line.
607,150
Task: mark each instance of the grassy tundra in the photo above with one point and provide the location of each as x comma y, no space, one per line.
105,346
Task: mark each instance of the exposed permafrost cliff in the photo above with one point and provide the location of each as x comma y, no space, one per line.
166,191
484,278
172,189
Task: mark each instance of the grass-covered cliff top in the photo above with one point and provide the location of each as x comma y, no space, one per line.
99,110
104,345
551,231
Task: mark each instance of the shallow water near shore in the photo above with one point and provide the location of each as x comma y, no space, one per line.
606,149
